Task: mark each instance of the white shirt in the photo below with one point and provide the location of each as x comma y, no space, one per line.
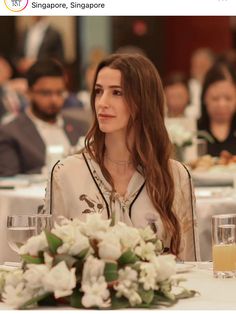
34,39
52,134
194,109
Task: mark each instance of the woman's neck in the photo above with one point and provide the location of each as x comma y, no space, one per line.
220,130
117,156
116,148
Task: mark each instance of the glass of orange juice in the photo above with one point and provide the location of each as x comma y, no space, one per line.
224,245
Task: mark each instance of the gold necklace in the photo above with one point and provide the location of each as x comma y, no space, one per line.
119,162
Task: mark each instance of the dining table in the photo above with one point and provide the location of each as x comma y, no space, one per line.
27,196
212,293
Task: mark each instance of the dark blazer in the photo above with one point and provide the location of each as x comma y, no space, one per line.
22,149
51,46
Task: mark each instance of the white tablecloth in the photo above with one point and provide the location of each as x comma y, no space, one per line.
18,201
214,293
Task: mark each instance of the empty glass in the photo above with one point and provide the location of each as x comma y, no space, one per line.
224,245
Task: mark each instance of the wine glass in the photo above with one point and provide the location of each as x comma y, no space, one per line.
19,229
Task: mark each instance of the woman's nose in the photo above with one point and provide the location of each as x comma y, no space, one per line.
222,102
103,100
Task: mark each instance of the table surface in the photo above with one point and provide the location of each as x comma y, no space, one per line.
25,200
214,293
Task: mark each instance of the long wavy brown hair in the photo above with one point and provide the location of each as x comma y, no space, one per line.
151,150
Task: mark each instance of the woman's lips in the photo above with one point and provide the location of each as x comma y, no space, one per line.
105,116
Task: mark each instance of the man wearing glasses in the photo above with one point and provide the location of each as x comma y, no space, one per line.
25,141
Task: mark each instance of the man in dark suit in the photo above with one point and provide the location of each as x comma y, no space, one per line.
24,141
39,42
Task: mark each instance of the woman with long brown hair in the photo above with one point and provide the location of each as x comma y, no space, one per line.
125,168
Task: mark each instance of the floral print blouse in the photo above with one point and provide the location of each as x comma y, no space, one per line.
77,188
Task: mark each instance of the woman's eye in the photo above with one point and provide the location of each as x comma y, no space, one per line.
117,92
98,91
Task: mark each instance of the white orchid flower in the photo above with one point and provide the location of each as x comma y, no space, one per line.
93,268
96,293
34,245
73,240
109,248
60,280
165,266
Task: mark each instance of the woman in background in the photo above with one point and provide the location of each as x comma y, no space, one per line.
177,95
218,103
125,168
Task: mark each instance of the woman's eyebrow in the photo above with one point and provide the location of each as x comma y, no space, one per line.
110,86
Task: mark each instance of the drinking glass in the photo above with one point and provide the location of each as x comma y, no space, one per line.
201,147
43,222
224,245
19,229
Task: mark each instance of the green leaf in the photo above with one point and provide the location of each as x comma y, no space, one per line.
128,257
146,295
49,300
79,270
83,253
53,241
161,300
118,303
113,219
111,272
69,260
34,301
32,259
75,299
185,294
169,295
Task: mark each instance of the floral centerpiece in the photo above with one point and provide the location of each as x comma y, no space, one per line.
179,136
93,264
182,137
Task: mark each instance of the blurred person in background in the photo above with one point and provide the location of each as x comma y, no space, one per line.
24,141
13,99
201,61
177,95
40,41
218,106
